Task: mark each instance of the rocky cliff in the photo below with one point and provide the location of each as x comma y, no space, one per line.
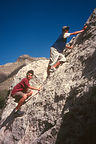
7,74
64,111
9,70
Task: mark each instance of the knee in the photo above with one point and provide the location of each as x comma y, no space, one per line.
31,92
25,97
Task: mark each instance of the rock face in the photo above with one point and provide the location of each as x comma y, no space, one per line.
64,111
9,70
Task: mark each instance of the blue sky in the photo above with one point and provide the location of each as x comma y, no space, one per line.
32,26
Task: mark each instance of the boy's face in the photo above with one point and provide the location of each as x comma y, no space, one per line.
29,76
66,30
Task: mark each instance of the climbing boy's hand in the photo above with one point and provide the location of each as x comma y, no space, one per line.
38,89
85,27
71,47
67,46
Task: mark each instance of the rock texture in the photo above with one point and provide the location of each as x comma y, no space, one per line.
64,111
9,70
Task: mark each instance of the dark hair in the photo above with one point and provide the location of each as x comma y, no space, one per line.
30,71
64,28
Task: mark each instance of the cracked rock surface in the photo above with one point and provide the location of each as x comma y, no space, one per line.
64,111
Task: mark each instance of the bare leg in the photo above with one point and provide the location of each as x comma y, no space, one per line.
21,101
54,66
57,64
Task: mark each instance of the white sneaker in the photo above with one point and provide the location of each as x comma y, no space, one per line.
53,69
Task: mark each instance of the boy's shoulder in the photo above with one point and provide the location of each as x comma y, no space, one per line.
24,79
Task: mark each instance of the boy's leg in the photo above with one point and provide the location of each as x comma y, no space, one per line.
21,101
17,96
48,70
29,93
54,55
57,64
61,60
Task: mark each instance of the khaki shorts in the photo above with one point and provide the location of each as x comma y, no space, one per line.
19,95
55,56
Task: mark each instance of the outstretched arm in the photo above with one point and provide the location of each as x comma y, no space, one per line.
33,88
77,32
74,33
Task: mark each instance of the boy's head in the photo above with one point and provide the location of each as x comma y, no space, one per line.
30,73
65,28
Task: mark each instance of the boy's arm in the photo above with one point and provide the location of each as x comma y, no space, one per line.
77,32
67,46
33,88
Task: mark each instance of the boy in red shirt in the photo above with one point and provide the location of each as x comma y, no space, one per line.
21,91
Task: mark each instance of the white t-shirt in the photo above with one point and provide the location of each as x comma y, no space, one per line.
66,35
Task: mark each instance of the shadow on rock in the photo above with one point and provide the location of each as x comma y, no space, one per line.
9,121
79,124
90,67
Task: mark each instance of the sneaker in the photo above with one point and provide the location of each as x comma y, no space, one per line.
18,112
53,69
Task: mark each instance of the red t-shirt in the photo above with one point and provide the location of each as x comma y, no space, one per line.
21,86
